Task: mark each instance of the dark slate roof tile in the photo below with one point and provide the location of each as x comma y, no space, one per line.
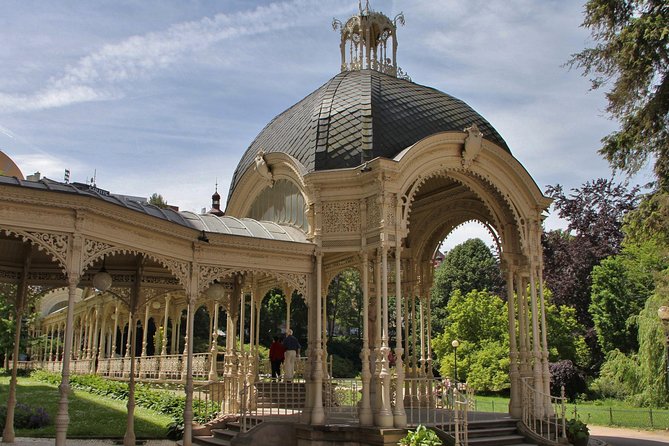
359,112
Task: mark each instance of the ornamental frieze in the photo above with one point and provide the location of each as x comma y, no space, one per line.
341,216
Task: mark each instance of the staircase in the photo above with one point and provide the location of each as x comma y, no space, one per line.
495,433
224,435
498,432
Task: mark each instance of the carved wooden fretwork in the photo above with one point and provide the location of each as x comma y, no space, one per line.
341,216
390,215
298,282
9,276
208,273
373,213
93,249
55,245
179,268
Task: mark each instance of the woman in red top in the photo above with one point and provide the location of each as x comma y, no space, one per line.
276,356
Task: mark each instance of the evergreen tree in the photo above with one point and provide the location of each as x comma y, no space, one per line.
631,55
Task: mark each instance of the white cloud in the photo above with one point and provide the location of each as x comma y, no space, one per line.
96,77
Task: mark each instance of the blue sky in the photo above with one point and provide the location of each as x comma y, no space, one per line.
165,96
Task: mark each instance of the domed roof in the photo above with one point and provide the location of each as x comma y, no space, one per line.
8,167
360,115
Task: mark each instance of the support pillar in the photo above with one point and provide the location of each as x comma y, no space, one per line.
62,417
515,407
317,412
365,410
399,415
385,417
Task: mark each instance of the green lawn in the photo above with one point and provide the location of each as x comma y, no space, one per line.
599,413
91,416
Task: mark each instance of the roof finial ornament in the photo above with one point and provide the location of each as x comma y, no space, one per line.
369,41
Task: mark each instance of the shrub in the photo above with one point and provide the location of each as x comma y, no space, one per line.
343,367
565,373
619,377
26,417
421,437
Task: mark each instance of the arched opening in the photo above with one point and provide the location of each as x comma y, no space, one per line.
344,317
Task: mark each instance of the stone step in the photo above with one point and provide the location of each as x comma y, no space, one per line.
208,441
225,434
492,431
497,440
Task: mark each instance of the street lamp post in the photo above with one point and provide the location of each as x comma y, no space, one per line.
663,313
455,344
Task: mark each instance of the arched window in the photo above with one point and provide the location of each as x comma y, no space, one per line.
283,203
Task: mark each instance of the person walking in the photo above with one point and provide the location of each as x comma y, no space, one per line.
292,346
276,357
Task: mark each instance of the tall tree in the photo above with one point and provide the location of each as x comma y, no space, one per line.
468,266
595,214
631,55
621,285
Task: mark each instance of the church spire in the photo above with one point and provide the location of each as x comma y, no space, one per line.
216,203
369,41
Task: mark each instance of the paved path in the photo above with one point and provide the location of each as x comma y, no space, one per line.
629,437
50,442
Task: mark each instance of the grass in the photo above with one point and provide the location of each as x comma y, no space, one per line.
599,413
91,416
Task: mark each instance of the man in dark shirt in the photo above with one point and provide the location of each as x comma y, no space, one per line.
292,346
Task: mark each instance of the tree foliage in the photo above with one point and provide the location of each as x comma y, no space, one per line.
566,340
621,285
631,55
468,266
344,305
479,321
157,200
595,214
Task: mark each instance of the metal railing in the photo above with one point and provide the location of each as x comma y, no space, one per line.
543,415
169,367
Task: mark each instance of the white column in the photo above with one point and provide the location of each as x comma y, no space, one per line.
317,412
538,383
188,409
515,407
213,376
95,350
129,437
114,333
365,410
385,414
145,331
62,417
399,415
548,407
289,300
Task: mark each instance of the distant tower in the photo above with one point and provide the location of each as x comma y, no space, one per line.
216,203
367,39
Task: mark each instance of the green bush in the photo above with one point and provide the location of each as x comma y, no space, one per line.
343,367
421,437
619,377
26,417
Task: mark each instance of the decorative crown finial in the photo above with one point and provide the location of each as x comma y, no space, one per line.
369,41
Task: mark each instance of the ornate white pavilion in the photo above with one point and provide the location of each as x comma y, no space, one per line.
370,171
